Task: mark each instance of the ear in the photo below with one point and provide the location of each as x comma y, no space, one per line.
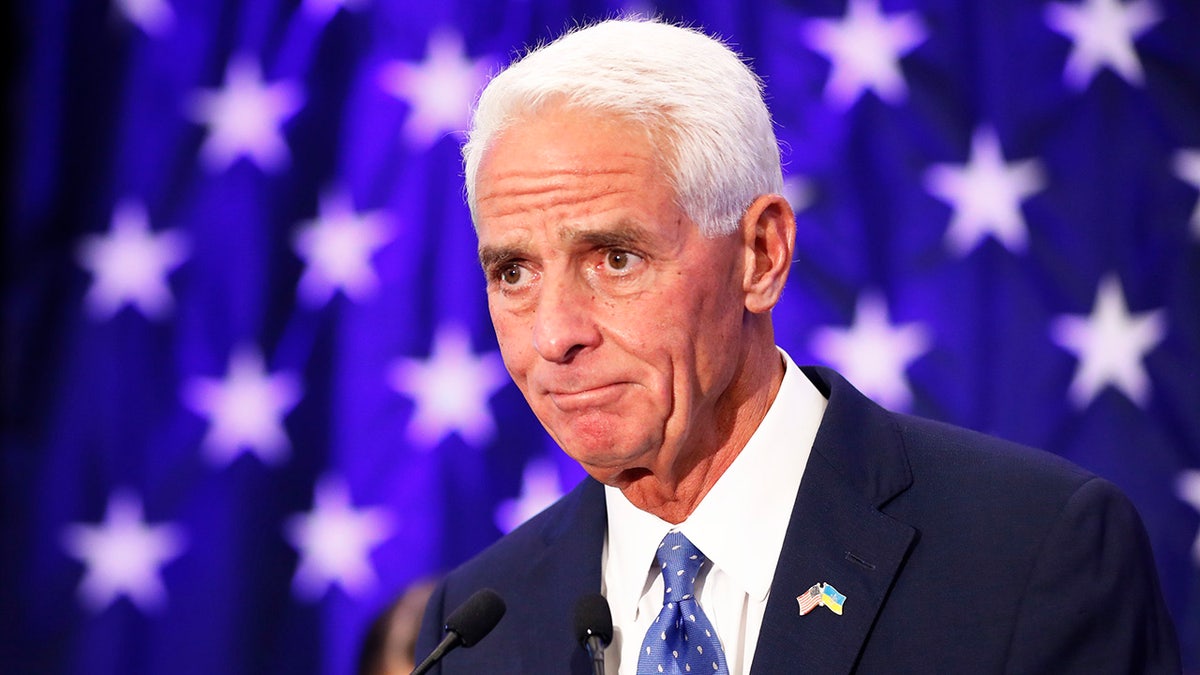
769,236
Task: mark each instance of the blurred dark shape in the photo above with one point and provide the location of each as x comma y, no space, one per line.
390,645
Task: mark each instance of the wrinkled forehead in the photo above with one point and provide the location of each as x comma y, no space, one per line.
621,233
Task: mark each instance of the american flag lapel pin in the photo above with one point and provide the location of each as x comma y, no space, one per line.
809,599
820,594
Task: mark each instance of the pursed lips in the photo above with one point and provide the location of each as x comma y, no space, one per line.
582,398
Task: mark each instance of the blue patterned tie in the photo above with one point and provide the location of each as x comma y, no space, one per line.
681,639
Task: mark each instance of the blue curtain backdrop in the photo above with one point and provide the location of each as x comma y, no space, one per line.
250,388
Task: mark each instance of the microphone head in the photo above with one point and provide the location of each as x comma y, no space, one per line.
476,617
593,618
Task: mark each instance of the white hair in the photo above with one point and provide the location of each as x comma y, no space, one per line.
701,105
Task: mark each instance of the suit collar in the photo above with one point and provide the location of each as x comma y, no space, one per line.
859,440
838,536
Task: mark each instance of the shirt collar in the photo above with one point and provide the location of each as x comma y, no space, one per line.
741,523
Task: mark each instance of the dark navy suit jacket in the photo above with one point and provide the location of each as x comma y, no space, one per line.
957,553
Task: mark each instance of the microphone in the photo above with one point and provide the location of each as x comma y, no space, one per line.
593,628
468,624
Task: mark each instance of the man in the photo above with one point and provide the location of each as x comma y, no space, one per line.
742,514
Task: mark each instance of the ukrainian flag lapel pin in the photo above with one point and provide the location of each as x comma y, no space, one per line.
821,594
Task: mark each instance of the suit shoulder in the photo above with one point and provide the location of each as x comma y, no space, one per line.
996,480
512,552
883,452
934,445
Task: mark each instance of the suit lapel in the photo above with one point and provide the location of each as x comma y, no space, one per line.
566,569
838,536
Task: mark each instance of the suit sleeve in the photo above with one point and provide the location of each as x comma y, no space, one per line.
1093,603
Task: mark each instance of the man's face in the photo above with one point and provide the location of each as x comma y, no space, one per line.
617,319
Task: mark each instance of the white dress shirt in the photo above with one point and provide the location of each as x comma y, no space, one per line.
739,526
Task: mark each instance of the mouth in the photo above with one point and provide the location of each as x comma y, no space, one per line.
575,400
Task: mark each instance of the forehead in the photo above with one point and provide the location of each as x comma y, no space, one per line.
570,168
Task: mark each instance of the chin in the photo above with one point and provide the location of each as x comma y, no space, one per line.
607,458
615,476
602,441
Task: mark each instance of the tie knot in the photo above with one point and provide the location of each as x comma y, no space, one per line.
680,561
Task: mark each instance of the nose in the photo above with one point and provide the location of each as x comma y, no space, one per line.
564,326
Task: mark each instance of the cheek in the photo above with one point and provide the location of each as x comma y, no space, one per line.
512,336
704,328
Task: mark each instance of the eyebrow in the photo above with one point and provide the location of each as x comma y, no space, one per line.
622,234
489,256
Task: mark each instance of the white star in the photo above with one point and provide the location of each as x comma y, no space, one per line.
130,265
337,247
1102,33
539,489
1187,169
872,353
245,117
799,192
335,541
1110,345
1188,489
123,555
245,410
440,90
986,195
324,9
864,49
450,390
154,17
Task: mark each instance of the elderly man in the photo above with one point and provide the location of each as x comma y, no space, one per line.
742,514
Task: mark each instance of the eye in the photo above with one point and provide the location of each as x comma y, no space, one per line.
511,274
621,261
